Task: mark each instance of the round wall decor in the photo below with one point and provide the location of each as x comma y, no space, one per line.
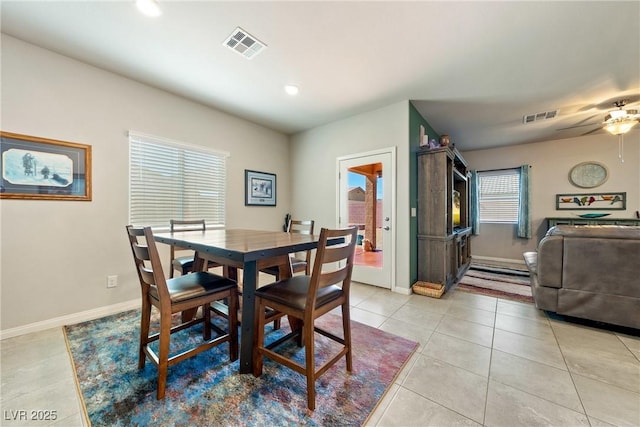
588,174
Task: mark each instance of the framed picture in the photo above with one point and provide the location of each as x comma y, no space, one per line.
591,201
259,188
44,169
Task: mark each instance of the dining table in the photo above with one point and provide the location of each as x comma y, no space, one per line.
240,248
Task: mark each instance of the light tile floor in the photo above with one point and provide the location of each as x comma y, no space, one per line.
480,361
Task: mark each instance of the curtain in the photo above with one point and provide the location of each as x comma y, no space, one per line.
524,217
474,201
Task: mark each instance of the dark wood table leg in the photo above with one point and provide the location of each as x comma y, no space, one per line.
250,280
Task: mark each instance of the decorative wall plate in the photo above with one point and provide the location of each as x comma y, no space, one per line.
588,174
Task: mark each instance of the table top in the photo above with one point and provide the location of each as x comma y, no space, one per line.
240,244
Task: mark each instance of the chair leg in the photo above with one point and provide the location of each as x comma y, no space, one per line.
206,315
233,325
145,319
307,331
258,338
346,328
163,353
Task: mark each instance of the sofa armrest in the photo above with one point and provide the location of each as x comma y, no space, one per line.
549,261
531,261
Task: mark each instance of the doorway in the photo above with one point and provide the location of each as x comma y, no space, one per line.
366,189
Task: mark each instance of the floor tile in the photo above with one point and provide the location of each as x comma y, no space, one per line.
608,403
452,387
366,317
543,381
539,350
535,370
410,409
431,305
600,355
384,304
518,309
460,353
467,299
524,326
469,331
418,316
632,343
407,330
475,315
509,407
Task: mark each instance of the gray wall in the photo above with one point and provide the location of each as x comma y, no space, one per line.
56,254
551,162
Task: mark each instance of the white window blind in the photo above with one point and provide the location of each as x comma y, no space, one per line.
499,196
170,180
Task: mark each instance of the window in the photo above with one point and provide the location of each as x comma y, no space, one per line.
499,196
170,180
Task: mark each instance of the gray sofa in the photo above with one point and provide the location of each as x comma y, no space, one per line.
589,272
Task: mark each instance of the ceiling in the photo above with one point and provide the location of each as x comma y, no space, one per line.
473,69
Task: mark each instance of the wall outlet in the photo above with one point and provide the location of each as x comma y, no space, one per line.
112,281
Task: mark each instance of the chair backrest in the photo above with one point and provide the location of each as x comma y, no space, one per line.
300,226
336,261
184,225
147,261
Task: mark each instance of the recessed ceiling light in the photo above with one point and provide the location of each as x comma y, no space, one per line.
149,7
291,89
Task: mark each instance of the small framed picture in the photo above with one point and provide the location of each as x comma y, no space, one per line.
259,188
44,169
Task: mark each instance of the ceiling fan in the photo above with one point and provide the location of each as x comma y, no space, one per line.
616,122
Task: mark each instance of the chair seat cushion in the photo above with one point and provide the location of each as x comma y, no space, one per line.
195,285
293,292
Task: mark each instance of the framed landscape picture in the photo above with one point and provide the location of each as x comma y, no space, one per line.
259,188
38,168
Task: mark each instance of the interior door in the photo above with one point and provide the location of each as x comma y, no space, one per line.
366,184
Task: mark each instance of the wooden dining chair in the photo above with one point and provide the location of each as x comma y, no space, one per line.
175,295
298,264
305,298
184,264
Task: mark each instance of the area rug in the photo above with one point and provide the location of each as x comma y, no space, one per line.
208,390
501,282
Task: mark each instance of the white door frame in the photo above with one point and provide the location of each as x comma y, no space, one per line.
391,174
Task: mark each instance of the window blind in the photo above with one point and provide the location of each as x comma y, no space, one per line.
171,180
499,195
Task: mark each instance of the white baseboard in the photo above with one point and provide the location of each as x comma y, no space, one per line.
70,319
504,260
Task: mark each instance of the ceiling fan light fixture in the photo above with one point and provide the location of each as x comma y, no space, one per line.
619,122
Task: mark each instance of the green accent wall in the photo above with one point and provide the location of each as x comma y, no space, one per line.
415,120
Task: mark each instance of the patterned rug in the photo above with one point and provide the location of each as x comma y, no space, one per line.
208,390
499,282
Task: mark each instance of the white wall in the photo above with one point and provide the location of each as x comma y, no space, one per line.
56,254
551,162
314,174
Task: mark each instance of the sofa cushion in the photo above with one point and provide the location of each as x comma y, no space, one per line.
602,265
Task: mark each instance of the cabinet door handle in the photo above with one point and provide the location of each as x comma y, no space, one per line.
387,228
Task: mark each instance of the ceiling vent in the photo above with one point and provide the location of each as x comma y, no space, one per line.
530,118
244,43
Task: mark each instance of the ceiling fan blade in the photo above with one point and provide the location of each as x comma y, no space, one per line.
596,130
577,126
